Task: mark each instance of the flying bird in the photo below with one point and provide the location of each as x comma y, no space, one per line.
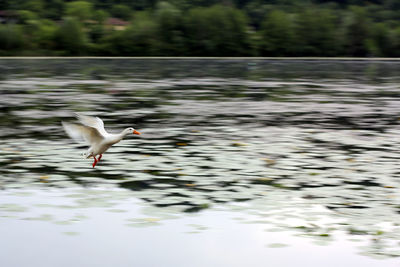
91,130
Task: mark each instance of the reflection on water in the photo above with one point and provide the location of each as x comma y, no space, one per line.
309,147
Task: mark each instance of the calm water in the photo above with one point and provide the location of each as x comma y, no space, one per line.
240,163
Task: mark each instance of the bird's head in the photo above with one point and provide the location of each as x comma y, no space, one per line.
133,131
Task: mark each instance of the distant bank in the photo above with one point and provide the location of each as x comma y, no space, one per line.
219,58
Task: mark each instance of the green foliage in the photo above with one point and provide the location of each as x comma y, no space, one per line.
11,39
316,33
70,38
121,11
39,36
53,9
139,39
357,31
201,27
81,10
277,35
34,5
100,16
170,39
379,42
395,42
25,16
256,12
217,31
96,33
45,35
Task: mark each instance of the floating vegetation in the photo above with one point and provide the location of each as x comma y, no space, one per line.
12,208
277,245
71,233
144,222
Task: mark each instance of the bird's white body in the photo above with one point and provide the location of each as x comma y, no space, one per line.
101,145
91,130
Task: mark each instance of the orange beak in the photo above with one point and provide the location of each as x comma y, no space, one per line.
136,132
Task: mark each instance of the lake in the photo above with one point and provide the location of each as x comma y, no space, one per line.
241,162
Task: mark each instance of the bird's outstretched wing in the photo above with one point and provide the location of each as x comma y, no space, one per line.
85,133
94,122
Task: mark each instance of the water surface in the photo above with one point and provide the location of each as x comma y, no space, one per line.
240,162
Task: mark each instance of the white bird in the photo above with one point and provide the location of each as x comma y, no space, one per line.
93,133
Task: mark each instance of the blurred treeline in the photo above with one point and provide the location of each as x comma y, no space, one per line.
200,28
